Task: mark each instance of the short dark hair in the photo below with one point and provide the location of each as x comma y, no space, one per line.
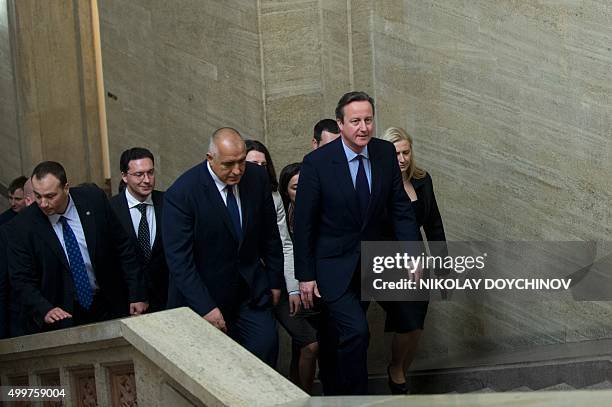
254,145
134,153
351,97
50,167
325,125
16,184
283,182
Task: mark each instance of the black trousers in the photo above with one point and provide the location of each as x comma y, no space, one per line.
344,338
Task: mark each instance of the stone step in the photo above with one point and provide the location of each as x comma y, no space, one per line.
551,375
606,384
557,387
563,374
521,389
485,390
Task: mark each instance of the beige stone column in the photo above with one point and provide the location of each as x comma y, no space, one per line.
56,90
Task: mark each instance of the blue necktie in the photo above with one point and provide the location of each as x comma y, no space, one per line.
77,266
232,208
362,187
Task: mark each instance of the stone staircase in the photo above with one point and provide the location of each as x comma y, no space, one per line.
565,367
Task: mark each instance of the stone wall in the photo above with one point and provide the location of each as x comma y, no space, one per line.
49,106
174,72
509,104
10,159
172,79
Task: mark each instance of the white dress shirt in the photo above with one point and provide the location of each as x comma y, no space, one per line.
222,188
136,215
353,163
74,221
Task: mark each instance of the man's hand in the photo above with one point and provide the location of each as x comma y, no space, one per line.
276,293
137,308
215,317
56,314
294,303
308,290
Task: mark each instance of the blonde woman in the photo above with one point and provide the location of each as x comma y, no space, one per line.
407,318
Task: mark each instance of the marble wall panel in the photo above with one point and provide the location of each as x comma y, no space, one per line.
179,70
10,159
506,103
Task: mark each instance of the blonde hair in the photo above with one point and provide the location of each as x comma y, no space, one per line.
397,134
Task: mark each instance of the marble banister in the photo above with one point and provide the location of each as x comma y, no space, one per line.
166,358
174,358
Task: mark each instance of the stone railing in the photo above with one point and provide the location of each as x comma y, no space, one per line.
170,358
174,358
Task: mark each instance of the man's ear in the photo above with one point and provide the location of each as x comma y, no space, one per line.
209,157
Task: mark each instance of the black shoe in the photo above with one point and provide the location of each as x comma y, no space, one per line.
396,388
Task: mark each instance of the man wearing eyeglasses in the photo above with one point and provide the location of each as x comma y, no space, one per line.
139,208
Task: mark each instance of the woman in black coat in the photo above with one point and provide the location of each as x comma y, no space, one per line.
407,318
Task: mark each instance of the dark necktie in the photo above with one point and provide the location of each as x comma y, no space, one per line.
144,237
362,187
77,266
232,208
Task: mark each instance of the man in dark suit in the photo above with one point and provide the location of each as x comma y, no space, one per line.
70,260
11,323
325,131
139,198
223,247
333,215
16,199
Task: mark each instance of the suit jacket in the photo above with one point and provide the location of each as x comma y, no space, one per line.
328,225
40,271
155,270
427,212
5,297
11,317
428,216
281,220
7,215
205,257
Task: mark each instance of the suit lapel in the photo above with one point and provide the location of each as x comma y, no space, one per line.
157,207
45,231
245,198
125,217
87,217
341,170
214,197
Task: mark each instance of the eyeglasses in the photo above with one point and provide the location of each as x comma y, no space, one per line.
140,174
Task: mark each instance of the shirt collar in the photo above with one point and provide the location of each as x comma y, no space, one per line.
350,154
133,202
70,213
220,184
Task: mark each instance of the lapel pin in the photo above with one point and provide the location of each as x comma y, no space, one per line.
87,213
